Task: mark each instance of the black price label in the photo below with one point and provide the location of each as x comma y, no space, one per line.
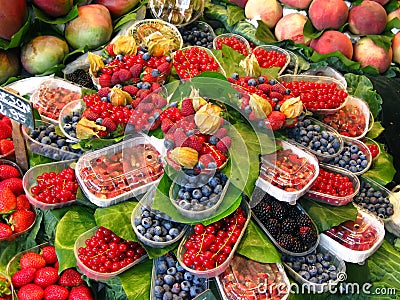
206,295
16,108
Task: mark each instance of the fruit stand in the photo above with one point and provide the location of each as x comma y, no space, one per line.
199,150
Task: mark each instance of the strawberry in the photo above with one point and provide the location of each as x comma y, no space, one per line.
56,292
8,171
56,265
166,125
5,231
103,92
164,68
5,131
105,80
8,201
70,278
221,133
49,254
21,220
23,277
276,95
275,120
224,144
110,49
46,276
15,184
149,78
124,75
187,107
30,291
109,124
80,293
130,89
32,260
6,146
23,202
180,138
6,120
196,142
136,70
90,115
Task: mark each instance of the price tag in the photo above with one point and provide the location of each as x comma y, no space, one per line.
206,295
16,108
182,4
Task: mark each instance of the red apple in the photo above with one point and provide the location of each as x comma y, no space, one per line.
13,15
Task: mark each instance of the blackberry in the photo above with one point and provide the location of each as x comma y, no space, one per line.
297,246
285,240
197,35
82,78
304,220
293,212
279,210
263,211
308,235
288,226
273,227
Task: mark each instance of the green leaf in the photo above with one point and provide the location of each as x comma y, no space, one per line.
270,72
117,218
382,170
17,38
229,60
98,143
393,23
83,200
317,57
391,6
36,159
326,216
255,245
136,281
136,14
113,290
376,130
263,33
309,32
382,41
235,14
157,252
397,244
83,49
75,222
39,14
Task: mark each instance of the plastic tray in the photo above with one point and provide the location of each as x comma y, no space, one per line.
202,26
266,276
321,79
277,49
183,10
335,200
293,66
77,105
221,268
48,106
29,181
268,162
320,287
327,72
136,212
356,256
228,35
126,183
367,141
46,150
80,242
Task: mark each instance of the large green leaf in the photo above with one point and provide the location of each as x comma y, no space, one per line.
376,130
75,222
263,33
136,281
326,216
39,14
112,290
235,14
255,245
382,170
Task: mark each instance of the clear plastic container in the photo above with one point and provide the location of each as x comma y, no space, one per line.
293,66
249,279
367,141
119,172
279,50
29,181
200,26
46,150
137,212
319,79
222,267
335,200
196,215
290,181
52,95
240,38
179,13
327,72
80,242
355,241
68,110
11,163
7,280
320,287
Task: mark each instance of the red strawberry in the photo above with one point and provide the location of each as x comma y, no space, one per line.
276,95
8,171
70,278
6,146
56,265
124,75
196,142
90,115
30,291
224,144
105,80
49,254
5,131
23,202
221,133
103,92
275,120
23,277
6,120
180,138
32,260
265,87
130,89
187,107
22,219
56,292
164,68
8,201
80,293
110,49
290,123
15,184
149,78
166,125
136,70
5,231
46,276
109,124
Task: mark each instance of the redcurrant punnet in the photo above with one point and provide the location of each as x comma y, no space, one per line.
333,184
269,58
233,42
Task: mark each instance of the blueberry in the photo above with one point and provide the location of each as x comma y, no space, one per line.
194,291
328,257
313,271
214,181
333,275
146,56
304,267
157,230
247,110
261,79
148,236
197,194
146,85
183,294
305,275
167,296
171,271
212,165
174,232
46,140
325,276
325,264
155,73
252,82
61,142
158,291
332,268
296,266
311,259
186,196
313,280
213,140
272,81
184,204
206,190
185,285
178,267
198,281
179,276
319,257
188,276
235,76
146,222
162,267
218,189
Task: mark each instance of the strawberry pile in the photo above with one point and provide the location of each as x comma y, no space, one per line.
5,288
15,209
37,278
6,144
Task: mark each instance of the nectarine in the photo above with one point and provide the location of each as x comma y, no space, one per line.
367,18
331,41
328,14
367,53
290,27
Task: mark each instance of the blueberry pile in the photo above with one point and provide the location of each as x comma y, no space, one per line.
46,134
70,122
374,200
351,158
198,193
173,282
193,35
317,267
315,138
154,228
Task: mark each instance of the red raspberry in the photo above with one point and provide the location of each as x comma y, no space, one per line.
164,68
130,89
224,144
278,88
221,133
105,80
180,138
109,124
136,70
146,107
155,86
115,78
196,142
166,125
265,87
124,75
205,159
103,92
149,78
276,95
187,107
143,93
90,115
159,101
275,120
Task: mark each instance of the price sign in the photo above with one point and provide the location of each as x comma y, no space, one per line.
16,108
206,295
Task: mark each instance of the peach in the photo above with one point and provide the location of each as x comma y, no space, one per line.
328,14
331,41
269,11
290,27
367,18
381,2
300,4
118,7
367,53
9,64
54,8
396,48
13,15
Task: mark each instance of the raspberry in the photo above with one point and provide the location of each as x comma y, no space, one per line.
221,133
136,70
146,107
275,120
159,101
91,115
124,75
224,144
105,80
166,125
278,88
103,92
205,159
276,95
109,124
195,143
155,86
115,78
180,138
143,93
130,89
265,87
187,107
164,68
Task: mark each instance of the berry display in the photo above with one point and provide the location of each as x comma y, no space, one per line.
269,58
5,288
234,42
354,157
106,252
82,78
195,34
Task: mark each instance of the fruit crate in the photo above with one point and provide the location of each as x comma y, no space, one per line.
281,51
327,72
335,200
240,38
269,182
253,279
155,244
29,180
80,242
179,13
133,178
222,267
319,288
355,234
68,110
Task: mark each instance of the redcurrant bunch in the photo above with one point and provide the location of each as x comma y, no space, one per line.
334,184
269,58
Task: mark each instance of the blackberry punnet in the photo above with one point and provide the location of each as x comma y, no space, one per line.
82,78
196,35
